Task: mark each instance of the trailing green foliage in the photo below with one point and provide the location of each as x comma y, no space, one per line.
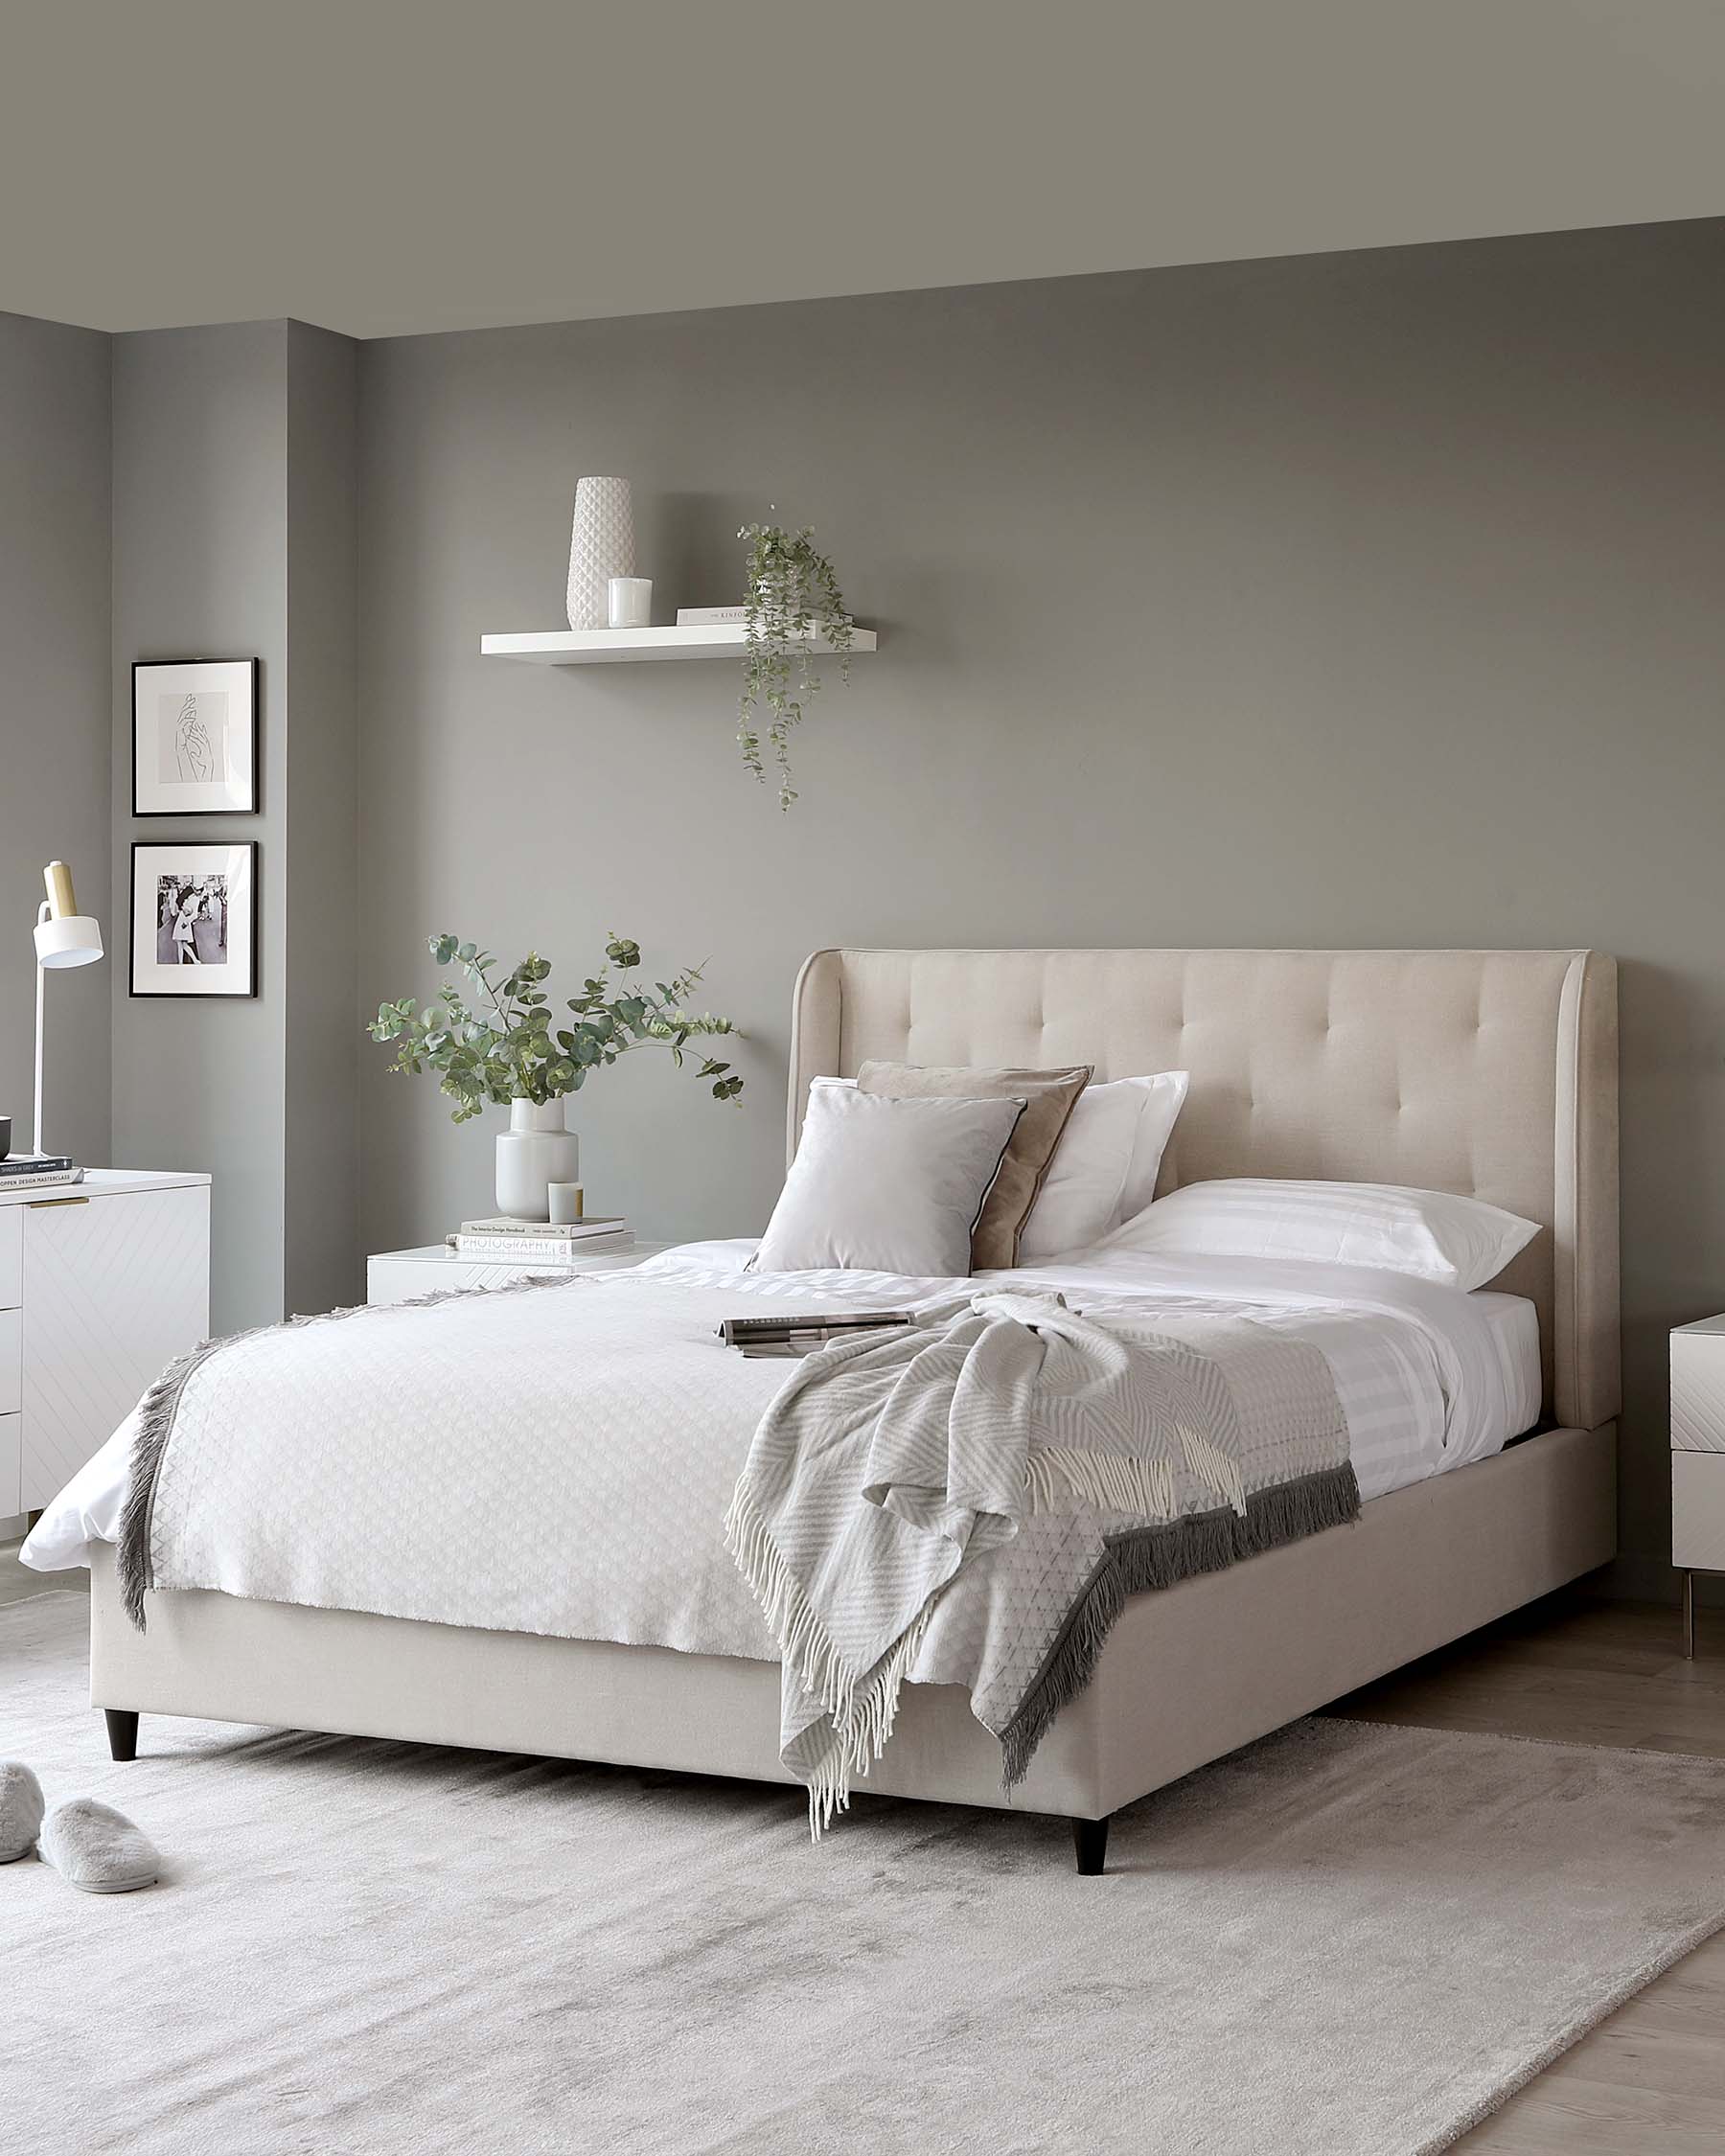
792,594
510,1049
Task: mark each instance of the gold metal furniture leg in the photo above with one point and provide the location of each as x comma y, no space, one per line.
1689,1615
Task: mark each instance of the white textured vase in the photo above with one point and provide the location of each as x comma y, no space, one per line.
537,1150
601,546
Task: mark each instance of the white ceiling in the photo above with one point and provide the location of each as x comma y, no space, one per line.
390,166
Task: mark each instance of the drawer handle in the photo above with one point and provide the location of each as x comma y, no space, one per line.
47,1204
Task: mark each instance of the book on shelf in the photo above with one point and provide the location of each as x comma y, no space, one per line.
788,1338
548,1231
710,617
526,1249
40,1179
34,1163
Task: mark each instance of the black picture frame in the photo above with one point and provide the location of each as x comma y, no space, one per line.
246,950
252,806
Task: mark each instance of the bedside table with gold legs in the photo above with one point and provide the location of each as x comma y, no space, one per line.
1697,1458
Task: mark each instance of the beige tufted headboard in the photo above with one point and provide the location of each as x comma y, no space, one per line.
1488,1072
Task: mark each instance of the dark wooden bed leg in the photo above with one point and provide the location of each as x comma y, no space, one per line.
123,1735
1089,1845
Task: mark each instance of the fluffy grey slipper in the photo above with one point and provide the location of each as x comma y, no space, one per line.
98,1849
20,1810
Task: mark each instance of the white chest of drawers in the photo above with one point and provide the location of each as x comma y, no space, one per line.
100,1284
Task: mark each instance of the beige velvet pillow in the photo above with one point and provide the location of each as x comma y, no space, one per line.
1049,1097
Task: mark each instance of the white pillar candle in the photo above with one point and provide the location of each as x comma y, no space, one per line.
630,602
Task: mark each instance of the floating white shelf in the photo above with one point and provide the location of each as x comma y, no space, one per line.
607,646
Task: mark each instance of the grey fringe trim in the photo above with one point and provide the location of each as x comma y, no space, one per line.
134,1559
1157,1557
155,1421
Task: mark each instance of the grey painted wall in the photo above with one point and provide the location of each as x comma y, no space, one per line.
201,571
54,713
234,531
1369,599
322,1047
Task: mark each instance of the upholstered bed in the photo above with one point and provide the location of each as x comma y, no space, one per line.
1491,1074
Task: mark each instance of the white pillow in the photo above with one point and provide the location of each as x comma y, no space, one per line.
882,1185
1461,1241
1108,1155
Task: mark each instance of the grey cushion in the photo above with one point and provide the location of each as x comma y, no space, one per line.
1049,1097
883,1185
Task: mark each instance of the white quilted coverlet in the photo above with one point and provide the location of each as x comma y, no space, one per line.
562,1461
553,1459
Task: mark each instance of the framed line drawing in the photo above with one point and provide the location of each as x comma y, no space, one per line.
194,737
194,919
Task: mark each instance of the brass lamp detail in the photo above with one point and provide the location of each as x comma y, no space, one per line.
61,903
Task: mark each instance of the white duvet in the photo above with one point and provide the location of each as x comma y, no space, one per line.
1428,1378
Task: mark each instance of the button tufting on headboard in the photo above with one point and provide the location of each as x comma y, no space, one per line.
1501,1066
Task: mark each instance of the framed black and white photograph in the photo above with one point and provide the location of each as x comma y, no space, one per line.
193,920
194,738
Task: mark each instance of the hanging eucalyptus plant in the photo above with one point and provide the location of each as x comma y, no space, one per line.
791,596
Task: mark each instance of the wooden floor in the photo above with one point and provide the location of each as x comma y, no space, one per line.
1652,2077
17,1582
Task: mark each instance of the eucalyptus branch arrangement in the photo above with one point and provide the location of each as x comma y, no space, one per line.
791,595
503,1045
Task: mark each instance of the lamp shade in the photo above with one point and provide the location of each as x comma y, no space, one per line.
75,939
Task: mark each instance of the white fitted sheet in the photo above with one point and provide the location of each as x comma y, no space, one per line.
1429,1378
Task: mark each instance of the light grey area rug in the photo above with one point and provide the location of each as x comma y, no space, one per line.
1348,1940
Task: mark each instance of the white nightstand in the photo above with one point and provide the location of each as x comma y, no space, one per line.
1697,1458
399,1275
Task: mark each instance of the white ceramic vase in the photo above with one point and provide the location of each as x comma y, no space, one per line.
601,546
537,1150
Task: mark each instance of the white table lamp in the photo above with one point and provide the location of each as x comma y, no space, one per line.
63,937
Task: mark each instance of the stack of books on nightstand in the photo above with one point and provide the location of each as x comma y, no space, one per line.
537,1242
37,1171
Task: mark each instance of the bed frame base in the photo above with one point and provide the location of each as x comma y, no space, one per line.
1090,1836
1188,1675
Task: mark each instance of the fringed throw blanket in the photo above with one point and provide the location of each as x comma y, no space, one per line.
1087,1460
